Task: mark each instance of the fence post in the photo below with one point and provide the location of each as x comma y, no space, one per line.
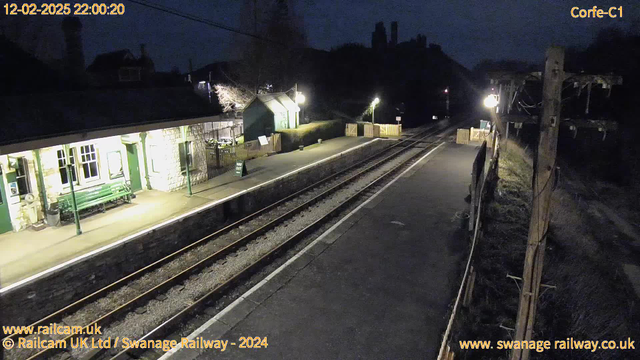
543,178
472,202
217,149
469,289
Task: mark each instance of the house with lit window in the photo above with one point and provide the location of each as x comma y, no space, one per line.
120,68
108,143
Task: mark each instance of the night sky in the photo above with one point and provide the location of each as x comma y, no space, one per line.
467,30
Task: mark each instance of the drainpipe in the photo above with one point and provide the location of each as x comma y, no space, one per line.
184,130
188,163
76,216
43,191
143,138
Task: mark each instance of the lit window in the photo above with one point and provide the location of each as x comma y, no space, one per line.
89,162
22,176
186,156
62,166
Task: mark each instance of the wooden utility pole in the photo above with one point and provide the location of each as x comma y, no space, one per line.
543,182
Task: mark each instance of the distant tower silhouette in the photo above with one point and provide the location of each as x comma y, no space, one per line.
394,34
379,37
72,28
422,41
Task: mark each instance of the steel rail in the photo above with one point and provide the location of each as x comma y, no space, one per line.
156,264
249,270
110,316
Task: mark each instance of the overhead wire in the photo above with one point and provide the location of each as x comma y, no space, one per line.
191,17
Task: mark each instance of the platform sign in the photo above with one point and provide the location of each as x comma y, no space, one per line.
263,140
485,125
241,168
398,118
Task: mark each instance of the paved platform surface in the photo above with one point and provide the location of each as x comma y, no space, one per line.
29,252
377,286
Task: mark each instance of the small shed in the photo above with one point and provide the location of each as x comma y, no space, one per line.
269,113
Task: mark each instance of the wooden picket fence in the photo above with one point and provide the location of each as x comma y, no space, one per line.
351,129
382,130
390,129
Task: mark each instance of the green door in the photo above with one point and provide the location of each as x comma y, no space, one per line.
134,167
5,219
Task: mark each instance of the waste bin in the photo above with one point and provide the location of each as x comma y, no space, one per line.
53,215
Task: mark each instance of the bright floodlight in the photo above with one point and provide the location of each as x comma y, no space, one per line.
491,101
375,101
300,98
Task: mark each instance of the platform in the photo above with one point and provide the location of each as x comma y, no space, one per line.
27,253
377,285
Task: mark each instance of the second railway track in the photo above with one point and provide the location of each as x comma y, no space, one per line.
161,294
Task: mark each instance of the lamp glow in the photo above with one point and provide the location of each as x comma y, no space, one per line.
491,101
300,99
375,102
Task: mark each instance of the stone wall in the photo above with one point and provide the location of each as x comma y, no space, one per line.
164,158
162,148
40,297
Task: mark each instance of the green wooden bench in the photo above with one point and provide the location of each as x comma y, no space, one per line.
94,196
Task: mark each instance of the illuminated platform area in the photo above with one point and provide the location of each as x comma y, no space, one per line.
28,254
377,285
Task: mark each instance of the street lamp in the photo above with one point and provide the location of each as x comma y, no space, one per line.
446,91
373,112
300,99
491,101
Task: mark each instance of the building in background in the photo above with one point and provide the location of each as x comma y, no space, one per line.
394,34
133,136
379,37
117,125
269,113
121,68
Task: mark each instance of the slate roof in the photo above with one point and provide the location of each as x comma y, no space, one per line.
30,117
113,61
276,102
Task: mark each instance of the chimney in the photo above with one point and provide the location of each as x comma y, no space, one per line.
189,79
72,28
148,68
394,34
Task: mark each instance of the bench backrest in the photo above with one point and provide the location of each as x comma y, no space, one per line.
93,193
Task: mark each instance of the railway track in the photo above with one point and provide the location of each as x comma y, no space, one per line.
214,258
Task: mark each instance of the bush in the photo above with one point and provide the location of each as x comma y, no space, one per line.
593,299
310,133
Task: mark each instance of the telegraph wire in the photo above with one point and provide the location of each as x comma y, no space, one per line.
187,16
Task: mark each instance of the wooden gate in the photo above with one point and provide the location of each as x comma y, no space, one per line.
390,129
351,130
463,136
371,130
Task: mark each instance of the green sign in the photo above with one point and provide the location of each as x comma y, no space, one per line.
241,168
